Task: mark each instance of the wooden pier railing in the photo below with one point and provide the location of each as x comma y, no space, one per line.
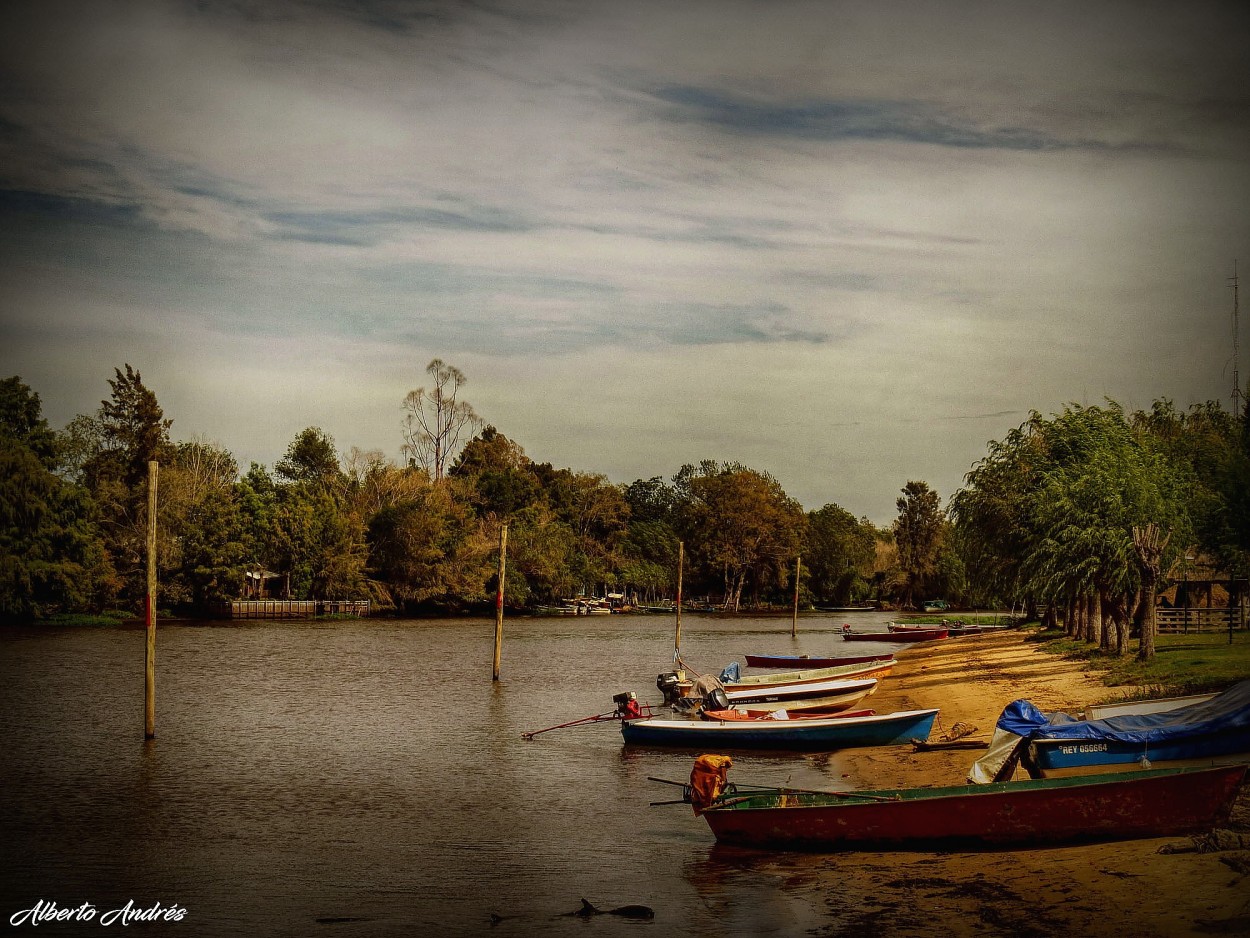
289,608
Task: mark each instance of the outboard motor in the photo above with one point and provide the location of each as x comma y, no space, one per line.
717,699
627,706
667,683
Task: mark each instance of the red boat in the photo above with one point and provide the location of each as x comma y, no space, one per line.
804,661
1034,813
910,635
954,628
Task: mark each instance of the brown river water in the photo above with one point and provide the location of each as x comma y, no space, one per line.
362,778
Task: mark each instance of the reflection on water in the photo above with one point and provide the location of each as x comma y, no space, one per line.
369,777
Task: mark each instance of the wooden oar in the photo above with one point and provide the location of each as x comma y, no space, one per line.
815,791
796,791
597,718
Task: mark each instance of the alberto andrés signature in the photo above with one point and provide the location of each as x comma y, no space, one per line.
48,911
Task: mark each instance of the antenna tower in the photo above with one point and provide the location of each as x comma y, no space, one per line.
1238,399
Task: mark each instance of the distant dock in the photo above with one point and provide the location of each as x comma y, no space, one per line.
289,608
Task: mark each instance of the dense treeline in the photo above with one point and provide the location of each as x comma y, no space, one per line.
1090,511
1061,512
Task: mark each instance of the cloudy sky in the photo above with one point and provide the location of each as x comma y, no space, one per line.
847,243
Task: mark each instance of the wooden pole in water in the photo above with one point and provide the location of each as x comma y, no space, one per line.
503,562
149,615
681,560
794,620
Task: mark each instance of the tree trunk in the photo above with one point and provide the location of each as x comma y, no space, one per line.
1149,553
1141,616
1112,623
1051,619
1098,622
1123,620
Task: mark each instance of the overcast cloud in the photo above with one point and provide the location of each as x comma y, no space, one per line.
845,243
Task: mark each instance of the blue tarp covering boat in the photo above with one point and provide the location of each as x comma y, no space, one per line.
1215,730
1224,712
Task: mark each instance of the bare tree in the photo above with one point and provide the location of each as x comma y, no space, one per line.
436,419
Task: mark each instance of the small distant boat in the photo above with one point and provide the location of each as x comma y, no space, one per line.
806,661
953,628
1033,813
906,635
918,627
806,735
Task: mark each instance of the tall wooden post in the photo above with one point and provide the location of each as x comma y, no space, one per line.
149,682
794,620
681,561
503,562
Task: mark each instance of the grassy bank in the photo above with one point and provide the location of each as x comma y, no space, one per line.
1184,663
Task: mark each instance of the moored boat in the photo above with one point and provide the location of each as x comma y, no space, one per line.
952,628
808,661
675,687
830,695
878,668
1034,813
910,635
782,714
805,735
1137,707
1209,732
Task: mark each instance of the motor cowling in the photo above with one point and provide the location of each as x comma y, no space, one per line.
717,699
627,706
668,685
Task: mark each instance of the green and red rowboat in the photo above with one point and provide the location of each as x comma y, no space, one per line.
1034,813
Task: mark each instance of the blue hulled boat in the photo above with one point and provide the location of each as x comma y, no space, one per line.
1209,732
807,735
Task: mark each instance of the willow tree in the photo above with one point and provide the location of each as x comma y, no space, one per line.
1056,506
993,513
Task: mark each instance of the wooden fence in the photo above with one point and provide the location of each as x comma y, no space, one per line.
1200,618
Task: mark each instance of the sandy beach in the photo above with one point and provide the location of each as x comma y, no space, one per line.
1127,888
